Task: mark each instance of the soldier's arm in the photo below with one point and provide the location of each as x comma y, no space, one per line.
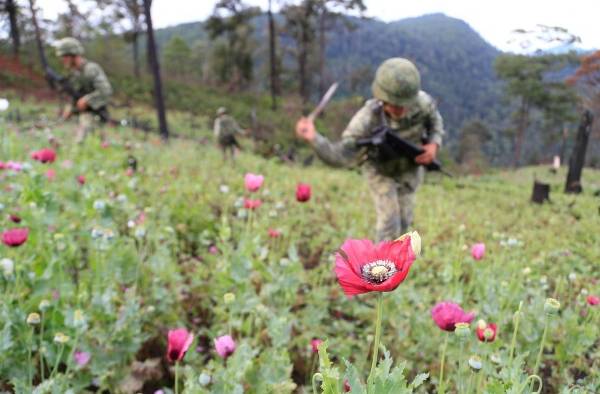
345,152
217,128
100,96
436,130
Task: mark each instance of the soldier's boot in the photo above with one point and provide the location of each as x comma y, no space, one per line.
86,125
385,196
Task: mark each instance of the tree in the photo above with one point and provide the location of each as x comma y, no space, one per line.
12,9
133,9
587,82
231,20
527,80
472,137
274,85
177,57
155,67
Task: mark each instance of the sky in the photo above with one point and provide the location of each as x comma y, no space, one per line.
493,20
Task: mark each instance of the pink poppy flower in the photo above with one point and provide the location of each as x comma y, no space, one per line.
593,300
253,182
45,155
486,332
446,314
130,171
105,144
14,218
51,174
82,358
13,165
303,192
477,251
225,346
15,236
179,341
314,344
252,204
2,165
213,249
362,266
274,233
81,179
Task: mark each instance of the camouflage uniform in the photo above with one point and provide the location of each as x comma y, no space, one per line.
90,80
392,184
225,128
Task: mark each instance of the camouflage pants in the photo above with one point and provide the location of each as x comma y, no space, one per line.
394,199
86,126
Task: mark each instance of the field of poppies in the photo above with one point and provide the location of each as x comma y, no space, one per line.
128,265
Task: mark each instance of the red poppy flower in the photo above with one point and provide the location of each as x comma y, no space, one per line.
14,218
593,300
303,192
486,332
251,204
179,341
274,233
15,236
362,266
81,179
45,155
447,314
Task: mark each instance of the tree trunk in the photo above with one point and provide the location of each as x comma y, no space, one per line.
273,59
305,39
577,160
155,67
38,39
12,10
522,126
322,21
136,53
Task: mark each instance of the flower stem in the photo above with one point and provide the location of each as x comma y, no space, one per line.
60,353
29,358
376,342
41,349
514,337
543,342
461,364
176,377
441,386
314,382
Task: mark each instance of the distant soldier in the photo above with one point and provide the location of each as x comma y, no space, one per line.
225,129
400,103
86,77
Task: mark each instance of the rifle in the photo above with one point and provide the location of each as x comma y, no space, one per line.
62,83
384,145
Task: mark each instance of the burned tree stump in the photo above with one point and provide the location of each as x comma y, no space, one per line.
577,160
541,192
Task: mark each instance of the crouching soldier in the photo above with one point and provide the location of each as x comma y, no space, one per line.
88,80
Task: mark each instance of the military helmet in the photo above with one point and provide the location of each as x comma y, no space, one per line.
221,111
68,46
397,81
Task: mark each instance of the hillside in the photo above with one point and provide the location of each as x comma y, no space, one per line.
456,63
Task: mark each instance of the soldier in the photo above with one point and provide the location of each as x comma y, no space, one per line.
87,78
400,103
225,129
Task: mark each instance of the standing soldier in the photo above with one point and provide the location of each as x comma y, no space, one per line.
88,79
399,103
225,129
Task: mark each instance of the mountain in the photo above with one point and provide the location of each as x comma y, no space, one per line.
455,62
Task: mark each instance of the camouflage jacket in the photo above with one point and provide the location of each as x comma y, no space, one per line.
422,120
92,82
225,126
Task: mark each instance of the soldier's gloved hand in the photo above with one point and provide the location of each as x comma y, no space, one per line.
305,129
82,104
429,155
